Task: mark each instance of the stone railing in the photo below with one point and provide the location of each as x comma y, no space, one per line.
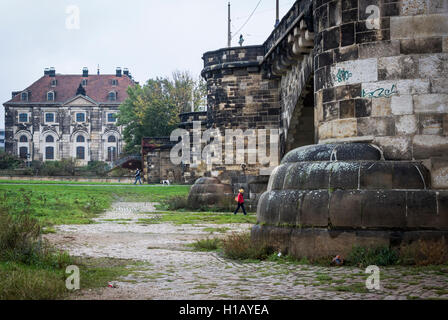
300,10
232,55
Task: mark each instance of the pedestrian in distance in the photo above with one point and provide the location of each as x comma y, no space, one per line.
240,200
138,176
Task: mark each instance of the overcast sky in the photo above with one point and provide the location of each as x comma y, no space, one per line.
150,37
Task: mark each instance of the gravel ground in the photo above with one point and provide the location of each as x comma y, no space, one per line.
170,269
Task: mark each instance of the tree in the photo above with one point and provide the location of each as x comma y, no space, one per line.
186,91
148,111
152,110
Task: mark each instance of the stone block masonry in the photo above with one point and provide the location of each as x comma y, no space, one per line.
388,84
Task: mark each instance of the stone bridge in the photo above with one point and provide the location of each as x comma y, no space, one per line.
359,92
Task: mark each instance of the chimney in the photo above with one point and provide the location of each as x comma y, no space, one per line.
46,71
126,72
52,72
118,73
85,72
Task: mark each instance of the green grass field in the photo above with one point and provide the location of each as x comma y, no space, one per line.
27,272
52,205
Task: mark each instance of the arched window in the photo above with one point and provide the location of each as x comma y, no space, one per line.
111,139
80,139
23,139
80,153
49,153
49,139
50,96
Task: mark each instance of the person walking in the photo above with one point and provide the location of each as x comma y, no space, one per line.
240,200
137,176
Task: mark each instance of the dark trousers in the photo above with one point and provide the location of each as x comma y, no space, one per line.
240,205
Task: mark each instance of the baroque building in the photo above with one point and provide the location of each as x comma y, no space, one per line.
67,116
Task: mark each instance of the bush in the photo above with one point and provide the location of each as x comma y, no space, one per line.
240,246
379,256
20,241
121,172
176,203
207,244
64,167
95,168
9,161
28,283
425,252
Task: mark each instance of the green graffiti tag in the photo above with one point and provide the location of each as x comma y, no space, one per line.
380,92
343,75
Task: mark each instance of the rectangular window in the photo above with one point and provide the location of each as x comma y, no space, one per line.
49,153
50,96
80,153
49,117
24,96
80,117
114,82
23,152
111,154
23,117
84,82
54,83
111,117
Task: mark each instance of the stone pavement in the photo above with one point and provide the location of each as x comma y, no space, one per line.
170,269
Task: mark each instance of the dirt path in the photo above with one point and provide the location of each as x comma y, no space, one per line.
170,269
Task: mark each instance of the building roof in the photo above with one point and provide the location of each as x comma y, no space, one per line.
98,88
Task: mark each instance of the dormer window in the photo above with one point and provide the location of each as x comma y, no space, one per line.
24,96
54,83
50,96
84,82
114,82
112,96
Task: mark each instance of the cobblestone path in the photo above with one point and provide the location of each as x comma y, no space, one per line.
170,269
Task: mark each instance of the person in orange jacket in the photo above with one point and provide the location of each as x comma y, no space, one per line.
240,200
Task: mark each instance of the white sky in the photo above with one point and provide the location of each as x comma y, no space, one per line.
150,37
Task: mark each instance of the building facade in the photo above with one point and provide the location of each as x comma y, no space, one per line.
67,116
2,139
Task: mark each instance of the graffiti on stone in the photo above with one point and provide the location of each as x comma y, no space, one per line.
380,92
343,75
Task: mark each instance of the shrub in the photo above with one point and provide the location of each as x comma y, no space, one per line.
365,256
20,241
176,202
9,161
28,283
94,168
240,246
425,252
207,244
65,167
